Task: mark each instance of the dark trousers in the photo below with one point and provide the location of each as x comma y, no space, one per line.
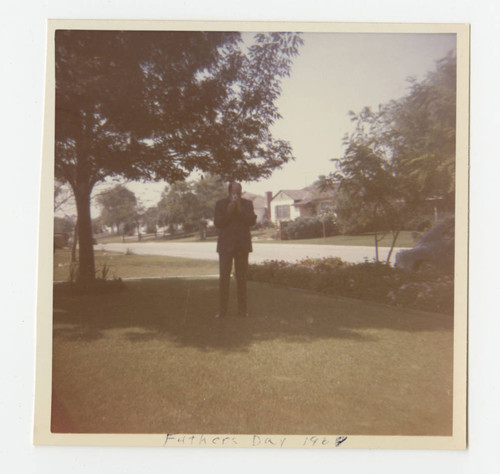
240,266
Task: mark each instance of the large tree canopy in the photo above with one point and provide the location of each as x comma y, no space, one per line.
157,105
420,132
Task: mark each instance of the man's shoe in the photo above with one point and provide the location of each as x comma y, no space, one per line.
243,314
220,316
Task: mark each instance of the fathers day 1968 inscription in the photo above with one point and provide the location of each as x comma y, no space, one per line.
252,441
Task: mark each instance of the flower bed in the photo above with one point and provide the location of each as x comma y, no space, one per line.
366,281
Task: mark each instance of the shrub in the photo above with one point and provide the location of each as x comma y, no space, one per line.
151,228
101,285
211,231
310,227
190,226
264,224
376,282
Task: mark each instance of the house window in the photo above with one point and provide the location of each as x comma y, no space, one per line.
282,212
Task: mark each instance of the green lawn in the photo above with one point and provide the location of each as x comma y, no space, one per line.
118,238
153,360
137,266
404,240
109,239
194,238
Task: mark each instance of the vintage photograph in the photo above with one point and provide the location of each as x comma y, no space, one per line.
254,236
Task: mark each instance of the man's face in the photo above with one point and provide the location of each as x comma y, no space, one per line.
236,189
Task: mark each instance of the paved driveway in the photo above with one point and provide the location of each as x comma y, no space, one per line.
261,251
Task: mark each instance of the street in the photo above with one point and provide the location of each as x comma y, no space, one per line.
261,251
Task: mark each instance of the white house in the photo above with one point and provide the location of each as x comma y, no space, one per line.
288,204
283,204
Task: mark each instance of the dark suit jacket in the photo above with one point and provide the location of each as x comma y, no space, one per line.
234,228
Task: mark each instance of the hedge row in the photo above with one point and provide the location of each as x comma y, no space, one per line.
375,282
308,228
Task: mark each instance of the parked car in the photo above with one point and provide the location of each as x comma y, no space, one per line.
435,249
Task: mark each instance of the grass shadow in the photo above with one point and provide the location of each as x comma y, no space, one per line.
183,311
78,332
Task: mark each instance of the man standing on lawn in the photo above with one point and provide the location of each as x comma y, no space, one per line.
233,218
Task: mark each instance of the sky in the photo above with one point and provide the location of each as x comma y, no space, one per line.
333,74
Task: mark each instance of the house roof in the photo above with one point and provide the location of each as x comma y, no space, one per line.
309,194
295,194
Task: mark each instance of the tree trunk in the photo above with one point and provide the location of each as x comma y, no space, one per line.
86,271
75,240
376,247
203,230
394,238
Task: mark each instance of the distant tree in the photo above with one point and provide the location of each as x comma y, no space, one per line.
191,203
157,105
209,189
118,207
64,199
421,134
152,219
368,197
63,224
97,225
177,205
62,195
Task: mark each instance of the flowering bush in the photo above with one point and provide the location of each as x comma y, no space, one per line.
376,282
433,295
